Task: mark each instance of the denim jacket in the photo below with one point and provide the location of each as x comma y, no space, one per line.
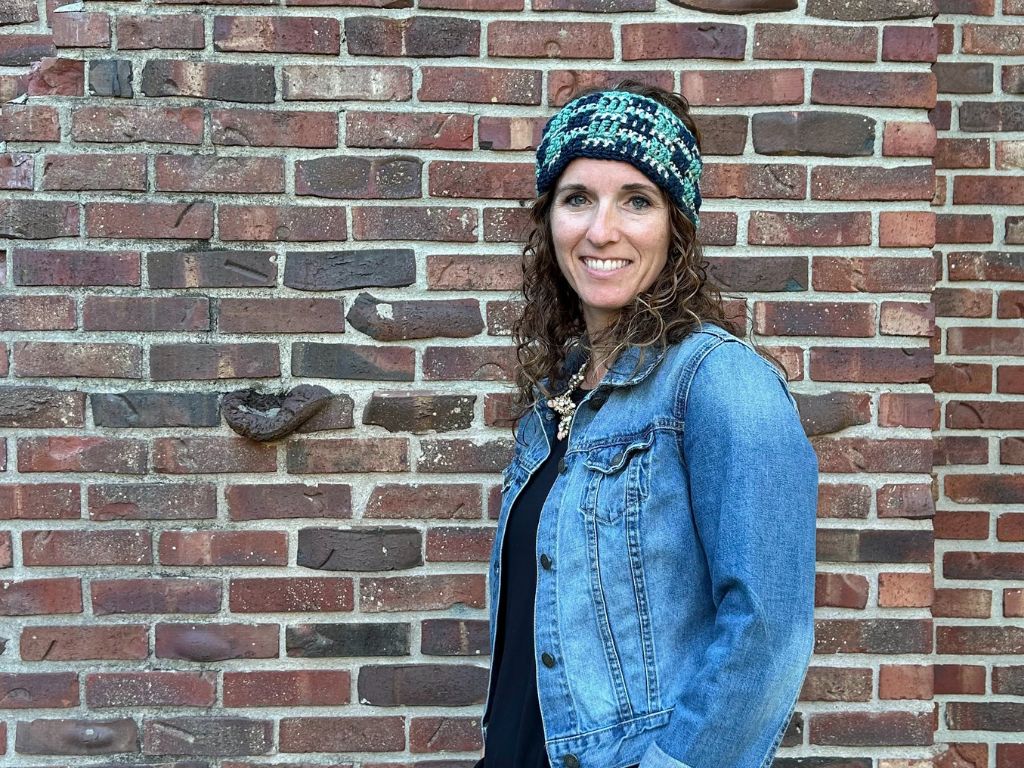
675,561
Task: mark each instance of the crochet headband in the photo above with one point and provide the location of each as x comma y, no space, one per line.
619,125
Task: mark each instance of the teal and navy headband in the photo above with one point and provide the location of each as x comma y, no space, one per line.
619,125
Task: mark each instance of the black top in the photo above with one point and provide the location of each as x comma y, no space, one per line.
515,734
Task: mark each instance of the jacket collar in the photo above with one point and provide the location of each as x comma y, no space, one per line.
627,369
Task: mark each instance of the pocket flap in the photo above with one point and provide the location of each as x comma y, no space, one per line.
612,458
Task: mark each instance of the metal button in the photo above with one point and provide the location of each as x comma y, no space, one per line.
547,660
545,562
571,761
598,399
561,465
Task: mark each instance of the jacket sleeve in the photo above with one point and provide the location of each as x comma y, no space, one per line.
753,482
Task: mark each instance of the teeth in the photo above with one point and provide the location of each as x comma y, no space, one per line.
605,265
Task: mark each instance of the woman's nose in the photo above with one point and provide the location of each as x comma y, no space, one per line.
604,227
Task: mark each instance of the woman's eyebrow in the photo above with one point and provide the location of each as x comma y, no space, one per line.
633,187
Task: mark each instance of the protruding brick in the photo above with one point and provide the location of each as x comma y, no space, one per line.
215,642
359,549
76,737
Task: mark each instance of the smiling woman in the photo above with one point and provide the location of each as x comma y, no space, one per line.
651,585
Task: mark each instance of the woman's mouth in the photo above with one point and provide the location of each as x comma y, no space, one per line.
604,265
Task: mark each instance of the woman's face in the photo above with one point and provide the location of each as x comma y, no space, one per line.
611,231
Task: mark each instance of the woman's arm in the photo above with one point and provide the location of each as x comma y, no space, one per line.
753,484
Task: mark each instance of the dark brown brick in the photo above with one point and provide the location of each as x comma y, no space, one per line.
476,363
840,590
416,36
564,83
887,636
833,134
864,729
35,596
109,77
359,549
866,546
214,736
983,565
290,595
463,456
38,219
344,640
75,267
215,642
460,544
402,320
346,176
866,10
151,313
40,407
815,42
156,595
211,269
694,40
320,456
169,362
352,361
96,360
743,87
873,89
554,40
433,734
984,716
411,685
473,273
272,501
454,637
419,412
155,409
152,501
207,454
304,315
338,270
836,684
76,737
21,122
209,80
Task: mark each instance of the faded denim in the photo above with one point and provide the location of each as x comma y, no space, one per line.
675,561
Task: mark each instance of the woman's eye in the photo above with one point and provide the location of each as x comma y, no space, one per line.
576,198
639,202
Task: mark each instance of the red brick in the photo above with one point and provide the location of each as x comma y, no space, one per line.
271,501
984,341
836,684
165,30
320,82
1013,603
342,734
40,596
267,34
474,363
285,222
75,267
509,133
345,455
473,273
904,590
840,590
437,734
293,688
873,89
956,678
491,180
123,125
39,690
68,548
841,182
994,39
769,180
274,128
206,735
152,501
76,737
744,87
80,29
84,643
171,362
871,729
962,603
424,501
157,595
290,595
199,548
963,640
1010,526
421,593
910,44
420,36
16,170
960,302
280,315
906,229
879,364
81,454
824,318
564,83
415,130
217,81
204,173
151,689
215,642
909,500
208,454
433,223
133,313
818,229
188,221
983,565
459,545
38,219
908,139
905,681
87,172
963,228
874,274
123,361
490,85
40,501
1009,154
20,122
988,190
57,77
683,41
815,42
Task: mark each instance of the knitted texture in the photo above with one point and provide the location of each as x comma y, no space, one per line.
618,125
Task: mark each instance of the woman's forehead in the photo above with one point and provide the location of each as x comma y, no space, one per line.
604,175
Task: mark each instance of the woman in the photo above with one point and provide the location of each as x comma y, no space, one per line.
652,579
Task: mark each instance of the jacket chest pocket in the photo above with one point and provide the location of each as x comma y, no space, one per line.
618,478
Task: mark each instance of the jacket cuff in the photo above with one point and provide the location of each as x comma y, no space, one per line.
655,757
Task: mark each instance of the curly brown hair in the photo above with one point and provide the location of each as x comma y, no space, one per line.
551,323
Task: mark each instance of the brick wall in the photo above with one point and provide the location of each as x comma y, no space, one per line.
979,379
198,199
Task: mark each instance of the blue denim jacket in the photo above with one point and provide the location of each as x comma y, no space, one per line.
675,561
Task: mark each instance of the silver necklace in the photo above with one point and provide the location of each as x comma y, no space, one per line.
564,406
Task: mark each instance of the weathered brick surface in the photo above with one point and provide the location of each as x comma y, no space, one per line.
197,194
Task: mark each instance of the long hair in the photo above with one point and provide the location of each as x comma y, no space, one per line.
551,323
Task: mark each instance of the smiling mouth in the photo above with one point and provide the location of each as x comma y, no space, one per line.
604,265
